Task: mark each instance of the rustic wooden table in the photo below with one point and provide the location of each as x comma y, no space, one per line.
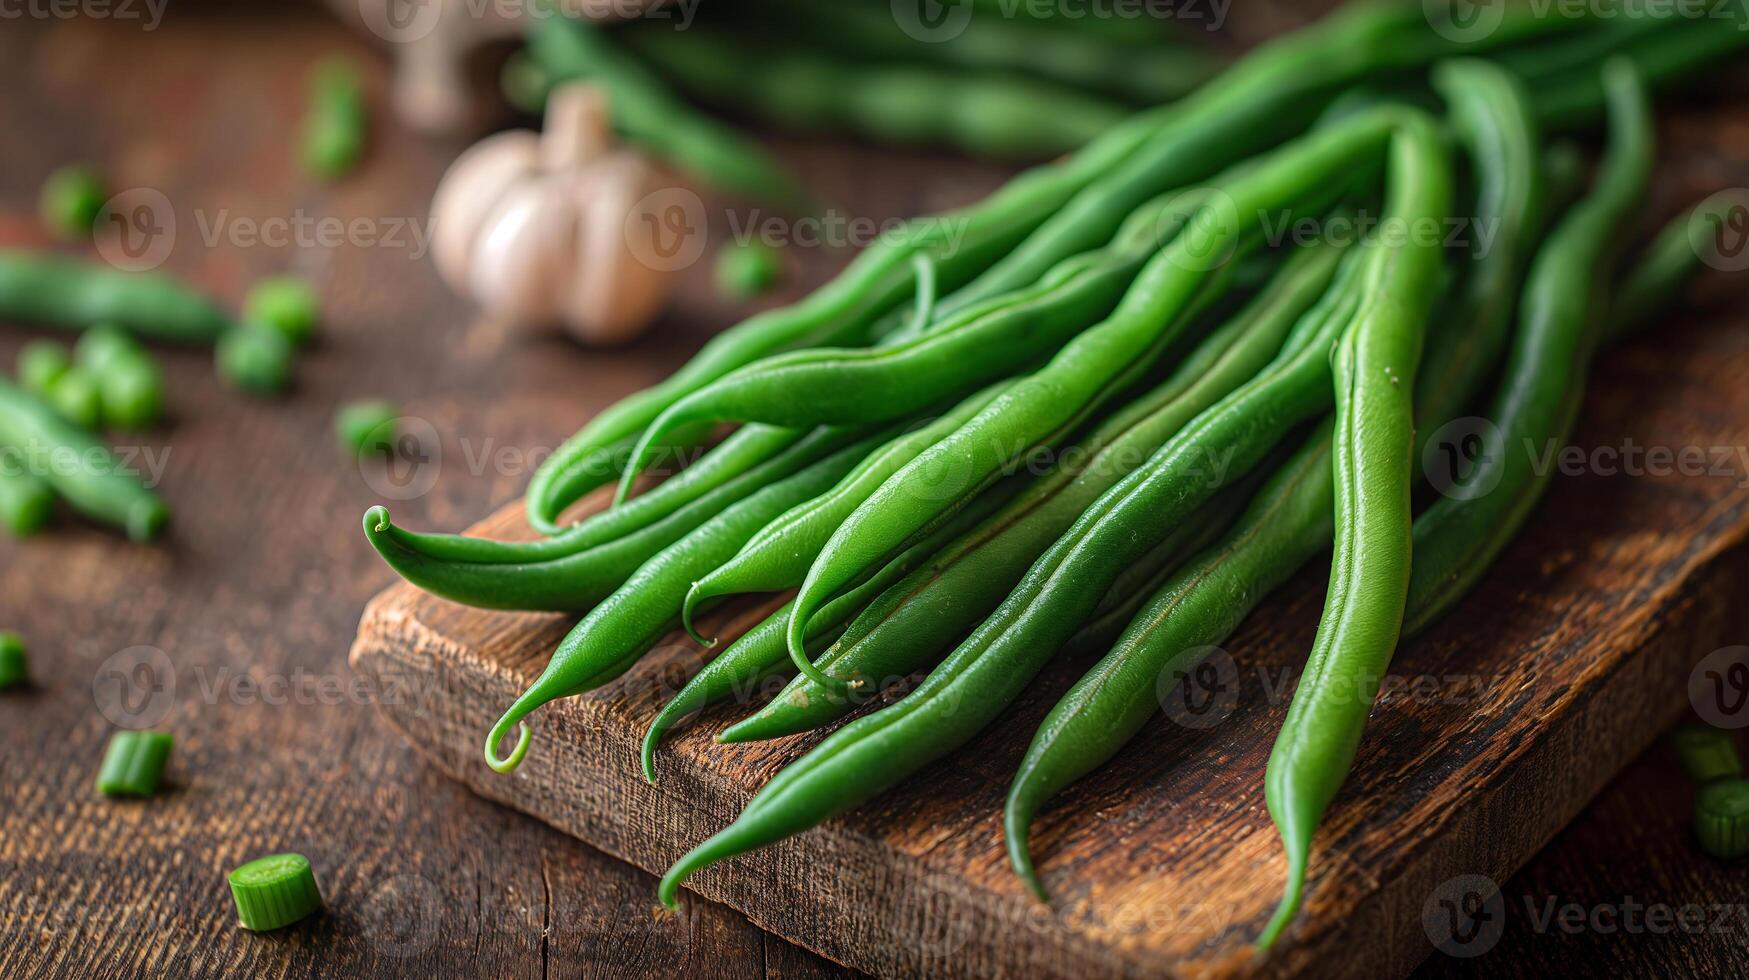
242,616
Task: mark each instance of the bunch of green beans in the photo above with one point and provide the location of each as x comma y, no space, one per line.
1206,431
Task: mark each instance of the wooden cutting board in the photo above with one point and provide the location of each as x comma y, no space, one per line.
1494,731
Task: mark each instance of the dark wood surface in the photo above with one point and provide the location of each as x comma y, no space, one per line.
265,574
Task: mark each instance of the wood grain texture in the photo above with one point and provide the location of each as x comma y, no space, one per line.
264,574
1495,731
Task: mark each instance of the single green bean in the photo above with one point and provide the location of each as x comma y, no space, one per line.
77,466
56,291
1374,366
579,568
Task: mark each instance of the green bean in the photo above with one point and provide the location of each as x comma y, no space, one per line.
1675,255
910,626
25,501
746,269
1575,99
61,292
568,49
77,466
254,358
1706,753
74,395
366,428
40,364
580,567
1721,818
624,625
14,664
1297,179
71,199
285,303
779,555
801,89
1460,535
130,389
1374,366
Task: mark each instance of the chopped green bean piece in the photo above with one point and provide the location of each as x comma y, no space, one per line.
25,500
255,358
130,389
40,364
334,123
285,303
274,891
134,763
74,395
366,427
1721,818
14,669
71,200
746,269
1706,753
101,345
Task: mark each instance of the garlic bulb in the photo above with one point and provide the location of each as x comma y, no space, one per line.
532,226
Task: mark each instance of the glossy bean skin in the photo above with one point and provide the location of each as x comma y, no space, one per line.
578,569
909,627
1537,402
57,291
1057,594
97,485
623,626
779,555
1374,365
1291,519
1298,178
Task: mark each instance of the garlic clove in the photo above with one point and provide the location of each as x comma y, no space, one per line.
523,257
468,193
615,294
